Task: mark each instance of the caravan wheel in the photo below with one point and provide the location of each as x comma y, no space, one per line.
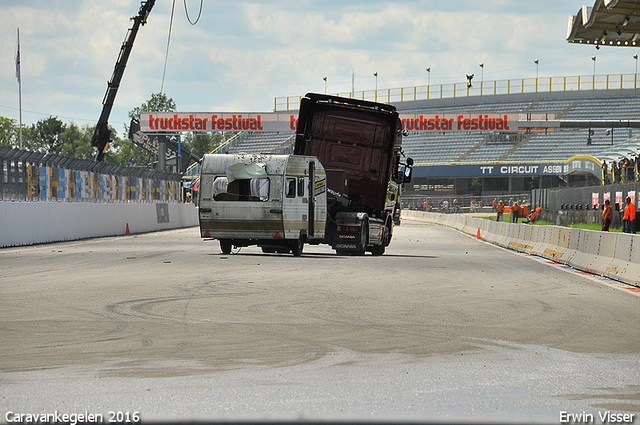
225,246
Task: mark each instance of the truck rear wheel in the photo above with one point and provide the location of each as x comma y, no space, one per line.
364,239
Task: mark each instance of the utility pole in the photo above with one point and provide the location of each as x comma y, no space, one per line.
375,74
635,77
19,77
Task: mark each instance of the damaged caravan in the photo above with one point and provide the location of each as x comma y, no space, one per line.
277,202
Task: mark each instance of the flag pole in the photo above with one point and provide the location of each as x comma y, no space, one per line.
18,74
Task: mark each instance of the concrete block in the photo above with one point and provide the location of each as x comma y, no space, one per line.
625,265
552,249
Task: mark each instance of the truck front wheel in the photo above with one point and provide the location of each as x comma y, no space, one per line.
379,249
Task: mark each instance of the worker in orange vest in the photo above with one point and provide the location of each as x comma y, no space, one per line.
515,212
500,211
629,218
607,215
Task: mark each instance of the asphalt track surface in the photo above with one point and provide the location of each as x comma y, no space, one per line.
443,327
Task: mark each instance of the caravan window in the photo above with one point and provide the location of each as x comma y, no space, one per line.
240,189
301,187
290,187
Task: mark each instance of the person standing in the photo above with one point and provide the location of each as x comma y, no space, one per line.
515,212
629,218
605,173
500,211
607,215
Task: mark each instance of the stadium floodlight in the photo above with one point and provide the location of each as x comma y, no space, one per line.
375,74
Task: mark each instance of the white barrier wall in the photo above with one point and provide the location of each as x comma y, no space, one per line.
615,255
27,223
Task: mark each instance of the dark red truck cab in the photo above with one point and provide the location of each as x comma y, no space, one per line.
359,143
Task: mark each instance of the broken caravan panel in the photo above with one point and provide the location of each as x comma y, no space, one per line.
362,140
264,200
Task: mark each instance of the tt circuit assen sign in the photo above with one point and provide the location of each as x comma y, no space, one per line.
163,122
576,164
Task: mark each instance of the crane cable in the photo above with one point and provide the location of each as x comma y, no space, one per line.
186,11
166,56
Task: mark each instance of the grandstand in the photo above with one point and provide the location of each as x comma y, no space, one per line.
439,156
264,142
544,145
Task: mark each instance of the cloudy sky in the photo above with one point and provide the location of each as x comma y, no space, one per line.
240,55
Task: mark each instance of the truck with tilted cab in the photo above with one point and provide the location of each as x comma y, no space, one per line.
341,186
359,144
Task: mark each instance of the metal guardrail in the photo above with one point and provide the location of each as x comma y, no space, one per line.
583,198
481,88
35,176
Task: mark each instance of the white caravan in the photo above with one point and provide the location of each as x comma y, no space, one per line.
278,202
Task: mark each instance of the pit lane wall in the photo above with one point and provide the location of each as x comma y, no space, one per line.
28,223
614,255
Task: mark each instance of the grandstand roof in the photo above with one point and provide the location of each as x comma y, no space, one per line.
607,23
627,149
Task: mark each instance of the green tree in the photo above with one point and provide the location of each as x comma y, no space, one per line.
76,142
159,102
45,135
115,146
125,152
201,143
9,132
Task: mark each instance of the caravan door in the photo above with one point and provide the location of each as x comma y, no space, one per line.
304,204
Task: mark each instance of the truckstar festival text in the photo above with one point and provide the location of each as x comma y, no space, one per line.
285,121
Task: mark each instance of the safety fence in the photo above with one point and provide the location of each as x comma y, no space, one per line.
35,176
482,88
614,255
585,198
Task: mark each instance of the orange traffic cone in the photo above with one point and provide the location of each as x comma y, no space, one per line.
128,232
478,235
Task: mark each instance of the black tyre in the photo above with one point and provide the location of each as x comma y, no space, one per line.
225,246
378,250
364,239
297,246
